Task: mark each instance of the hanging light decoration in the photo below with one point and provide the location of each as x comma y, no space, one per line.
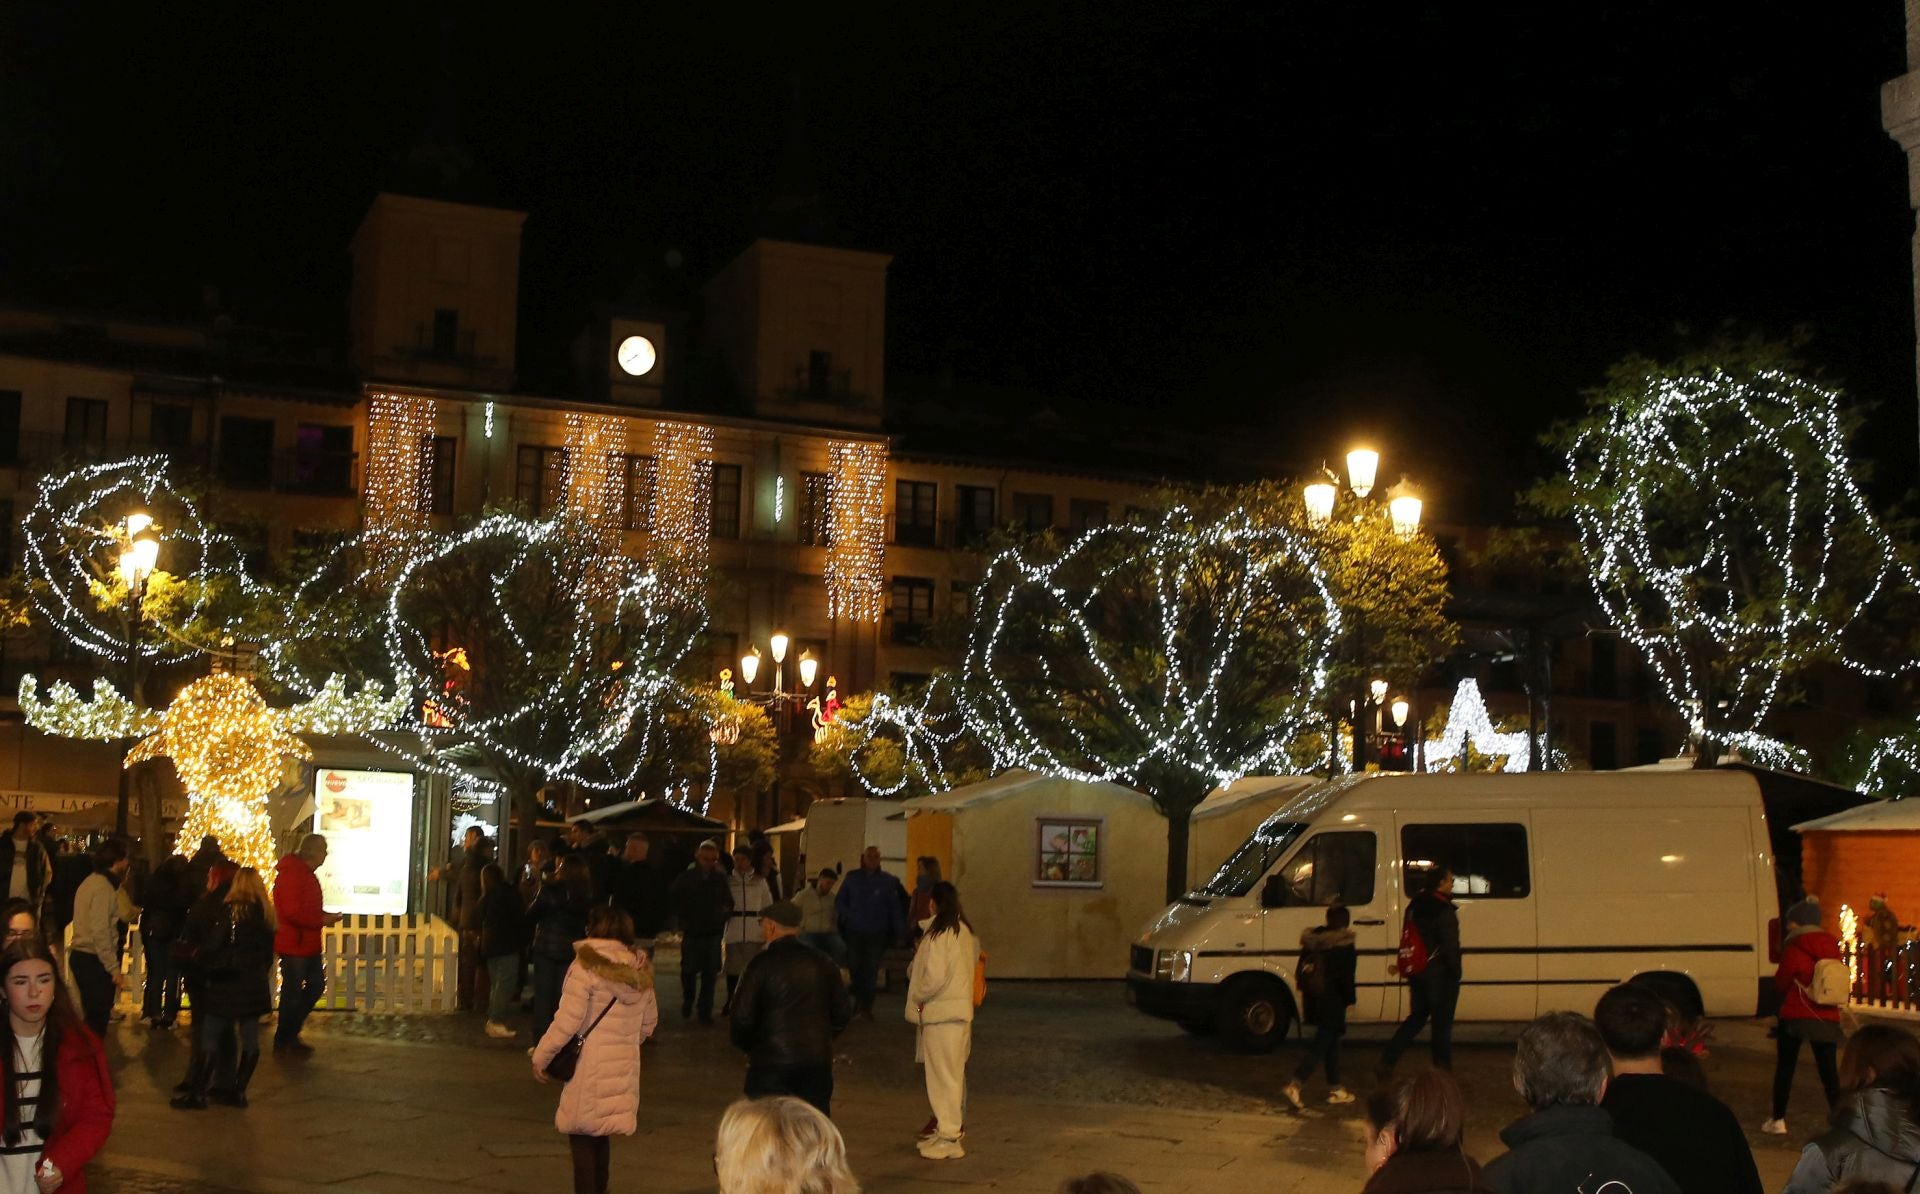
856,529
683,490
398,480
1469,725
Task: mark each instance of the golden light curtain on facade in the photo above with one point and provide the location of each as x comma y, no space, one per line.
856,530
399,430
683,490
596,474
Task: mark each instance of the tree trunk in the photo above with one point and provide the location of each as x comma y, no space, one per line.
1179,830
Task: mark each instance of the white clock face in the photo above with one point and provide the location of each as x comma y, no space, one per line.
636,356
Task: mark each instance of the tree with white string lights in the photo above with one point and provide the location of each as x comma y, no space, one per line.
1729,541
1174,655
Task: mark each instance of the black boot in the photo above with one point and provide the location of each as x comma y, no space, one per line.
198,1075
237,1096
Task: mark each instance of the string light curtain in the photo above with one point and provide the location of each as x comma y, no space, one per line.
683,491
399,428
595,480
856,529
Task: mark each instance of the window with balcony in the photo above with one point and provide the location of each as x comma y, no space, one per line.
814,525
439,452
637,500
246,452
915,521
446,332
973,513
540,479
726,501
1084,514
322,460
9,426
170,428
86,427
1032,511
912,609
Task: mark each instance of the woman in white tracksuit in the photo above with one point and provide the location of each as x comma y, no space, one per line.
940,1001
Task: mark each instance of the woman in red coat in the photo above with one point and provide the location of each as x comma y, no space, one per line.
1801,1019
56,1116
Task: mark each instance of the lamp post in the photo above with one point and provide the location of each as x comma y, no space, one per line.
778,646
1357,497
139,556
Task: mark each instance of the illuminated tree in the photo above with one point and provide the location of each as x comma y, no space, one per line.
1172,655
1728,540
873,754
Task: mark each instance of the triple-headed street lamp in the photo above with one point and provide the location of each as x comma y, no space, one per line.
1402,508
779,698
139,543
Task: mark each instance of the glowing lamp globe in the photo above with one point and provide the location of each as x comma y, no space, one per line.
779,644
1399,709
1378,690
138,521
1405,511
1363,467
809,666
1319,498
750,666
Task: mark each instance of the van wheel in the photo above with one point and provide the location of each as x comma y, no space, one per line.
1255,1013
1201,1026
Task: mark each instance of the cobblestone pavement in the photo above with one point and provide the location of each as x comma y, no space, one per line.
1064,1078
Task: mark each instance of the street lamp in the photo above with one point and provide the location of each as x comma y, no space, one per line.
749,667
139,557
778,645
1402,508
1363,467
808,667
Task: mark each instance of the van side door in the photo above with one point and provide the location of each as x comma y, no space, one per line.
1338,863
1488,852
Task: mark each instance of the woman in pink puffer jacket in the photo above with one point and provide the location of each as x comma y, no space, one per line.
607,976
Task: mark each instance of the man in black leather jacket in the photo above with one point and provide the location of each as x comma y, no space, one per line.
790,1005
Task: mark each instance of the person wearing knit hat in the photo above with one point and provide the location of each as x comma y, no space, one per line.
1817,1025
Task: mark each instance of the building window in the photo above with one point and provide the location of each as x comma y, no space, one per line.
973,508
246,452
1067,851
814,527
9,426
1032,511
440,452
914,515
1487,861
446,332
1084,514
322,459
86,426
820,375
912,609
1603,746
540,480
960,600
1606,667
6,537
637,499
1650,747
725,522
170,427
1329,867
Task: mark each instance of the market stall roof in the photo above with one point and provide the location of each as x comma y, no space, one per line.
651,814
1001,786
1249,788
1880,816
793,826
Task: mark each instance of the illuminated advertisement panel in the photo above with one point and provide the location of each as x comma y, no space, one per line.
367,819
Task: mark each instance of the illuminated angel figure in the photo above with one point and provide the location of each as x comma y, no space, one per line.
228,746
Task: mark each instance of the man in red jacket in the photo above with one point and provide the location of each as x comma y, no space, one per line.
303,976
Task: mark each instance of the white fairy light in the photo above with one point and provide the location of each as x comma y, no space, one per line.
1469,725
683,490
856,529
398,479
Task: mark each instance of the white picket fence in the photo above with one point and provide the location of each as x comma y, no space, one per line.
383,965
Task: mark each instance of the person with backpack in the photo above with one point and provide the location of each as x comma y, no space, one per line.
1325,978
1813,982
1430,962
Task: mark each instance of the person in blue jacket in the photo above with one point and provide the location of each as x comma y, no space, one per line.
872,906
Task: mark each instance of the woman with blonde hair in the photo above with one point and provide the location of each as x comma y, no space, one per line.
234,951
780,1145
940,1000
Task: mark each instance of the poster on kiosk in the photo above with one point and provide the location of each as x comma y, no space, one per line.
367,819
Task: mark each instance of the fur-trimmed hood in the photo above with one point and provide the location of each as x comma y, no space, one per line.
1322,937
607,959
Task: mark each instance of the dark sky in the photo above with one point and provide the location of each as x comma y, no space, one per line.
1304,221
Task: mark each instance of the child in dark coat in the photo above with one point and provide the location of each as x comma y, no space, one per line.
1326,978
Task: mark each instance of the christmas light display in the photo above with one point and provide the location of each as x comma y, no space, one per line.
1723,603
229,748
856,529
596,474
75,534
1256,583
398,483
683,490
1469,725
1850,942
1893,766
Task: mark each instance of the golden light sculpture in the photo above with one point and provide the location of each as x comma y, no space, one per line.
228,746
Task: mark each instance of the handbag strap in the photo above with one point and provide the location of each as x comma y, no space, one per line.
582,1036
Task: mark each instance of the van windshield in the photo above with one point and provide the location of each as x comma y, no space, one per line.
1243,869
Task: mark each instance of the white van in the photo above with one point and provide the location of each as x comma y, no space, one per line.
1566,884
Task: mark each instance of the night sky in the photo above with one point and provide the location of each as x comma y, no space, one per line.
1297,222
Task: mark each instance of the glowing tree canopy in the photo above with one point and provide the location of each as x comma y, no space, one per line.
1728,541
1171,655
229,748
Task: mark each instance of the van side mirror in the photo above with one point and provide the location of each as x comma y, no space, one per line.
1274,894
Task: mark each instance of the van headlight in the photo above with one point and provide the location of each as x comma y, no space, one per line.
1173,965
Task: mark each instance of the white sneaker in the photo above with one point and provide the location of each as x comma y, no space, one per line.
938,1149
1774,1127
499,1031
1291,1093
1339,1095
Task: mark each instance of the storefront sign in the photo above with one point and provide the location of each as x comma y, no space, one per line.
367,819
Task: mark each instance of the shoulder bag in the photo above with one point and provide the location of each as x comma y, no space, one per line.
567,1059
